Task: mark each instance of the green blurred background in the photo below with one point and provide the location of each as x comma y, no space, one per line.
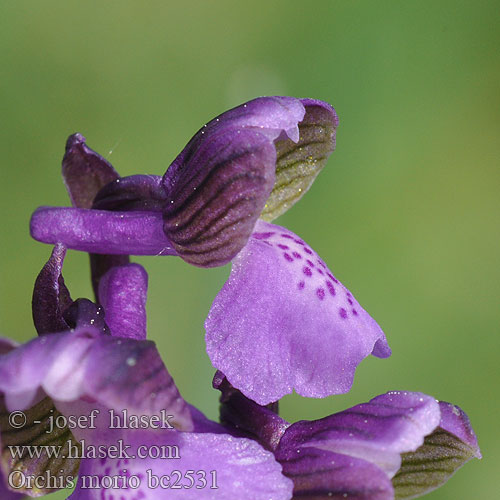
405,213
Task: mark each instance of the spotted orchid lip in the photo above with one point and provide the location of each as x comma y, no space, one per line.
282,303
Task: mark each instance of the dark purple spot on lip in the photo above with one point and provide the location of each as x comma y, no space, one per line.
301,285
320,292
320,271
297,255
322,264
332,277
350,302
262,236
283,247
355,312
308,250
343,313
311,264
330,287
307,271
287,236
300,242
288,257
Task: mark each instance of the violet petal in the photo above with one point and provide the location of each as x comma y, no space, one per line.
282,322
321,474
100,264
83,313
443,452
216,197
117,373
7,345
101,231
123,293
50,295
143,193
210,466
378,431
455,421
272,116
84,171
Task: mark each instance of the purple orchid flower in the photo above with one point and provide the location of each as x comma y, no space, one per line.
90,361
398,445
282,321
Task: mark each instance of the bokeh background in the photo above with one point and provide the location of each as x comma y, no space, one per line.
406,213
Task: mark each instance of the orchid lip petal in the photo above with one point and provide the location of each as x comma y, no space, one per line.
283,321
101,231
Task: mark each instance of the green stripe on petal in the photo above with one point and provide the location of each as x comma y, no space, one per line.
37,434
431,465
298,164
